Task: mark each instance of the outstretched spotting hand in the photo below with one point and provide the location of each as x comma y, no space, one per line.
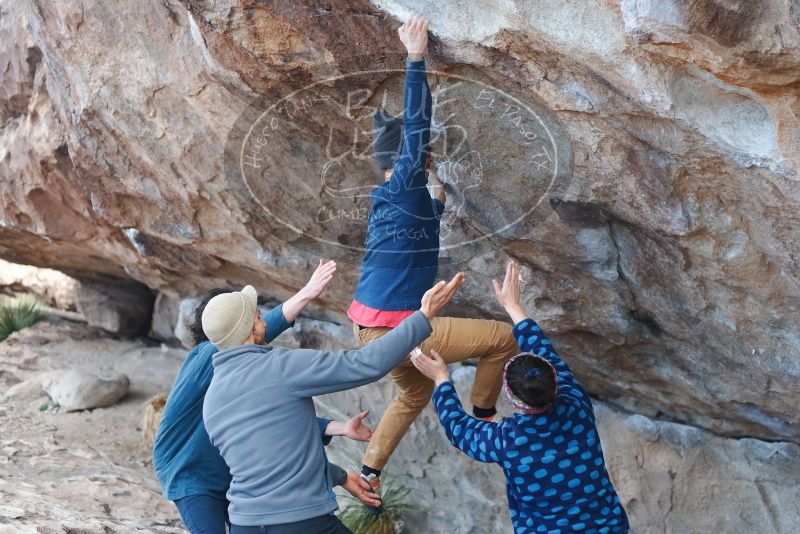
436,297
432,366
355,429
359,488
316,285
320,279
508,293
414,34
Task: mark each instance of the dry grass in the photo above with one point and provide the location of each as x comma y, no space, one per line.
153,410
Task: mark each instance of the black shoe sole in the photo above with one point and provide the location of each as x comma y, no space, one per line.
374,510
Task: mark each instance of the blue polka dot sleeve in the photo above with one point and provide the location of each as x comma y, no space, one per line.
480,440
531,338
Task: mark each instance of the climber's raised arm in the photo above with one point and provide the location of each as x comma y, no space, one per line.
409,171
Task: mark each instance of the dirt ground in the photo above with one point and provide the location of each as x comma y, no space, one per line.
85,471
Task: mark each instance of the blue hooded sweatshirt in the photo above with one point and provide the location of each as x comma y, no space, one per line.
259,412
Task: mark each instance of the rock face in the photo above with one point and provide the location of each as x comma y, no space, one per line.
677,478
639,157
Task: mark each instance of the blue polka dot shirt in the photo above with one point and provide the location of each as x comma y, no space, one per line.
556,479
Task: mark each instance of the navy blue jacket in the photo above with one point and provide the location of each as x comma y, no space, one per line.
402,250
556,478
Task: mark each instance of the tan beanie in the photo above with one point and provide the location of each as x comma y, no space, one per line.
228,318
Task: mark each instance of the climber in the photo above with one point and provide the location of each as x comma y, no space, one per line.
259,410
402,259
191,471
556,479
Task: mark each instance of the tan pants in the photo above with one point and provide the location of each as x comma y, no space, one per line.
455,340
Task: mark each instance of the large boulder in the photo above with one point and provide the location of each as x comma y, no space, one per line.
76,389
640,158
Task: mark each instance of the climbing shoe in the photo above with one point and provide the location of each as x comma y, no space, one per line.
375,487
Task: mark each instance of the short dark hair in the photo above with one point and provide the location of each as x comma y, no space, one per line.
196,323
530,378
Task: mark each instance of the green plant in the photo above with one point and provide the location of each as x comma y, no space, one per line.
51,407
19,314
357,518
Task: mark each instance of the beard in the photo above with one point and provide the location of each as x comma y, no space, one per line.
261,339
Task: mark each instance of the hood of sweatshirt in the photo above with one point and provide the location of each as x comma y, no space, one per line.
223,356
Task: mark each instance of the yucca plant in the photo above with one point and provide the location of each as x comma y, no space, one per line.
19,314
357,518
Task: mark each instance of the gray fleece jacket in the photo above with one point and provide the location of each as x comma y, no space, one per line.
259,413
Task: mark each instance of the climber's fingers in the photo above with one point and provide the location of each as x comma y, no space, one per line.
413,26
